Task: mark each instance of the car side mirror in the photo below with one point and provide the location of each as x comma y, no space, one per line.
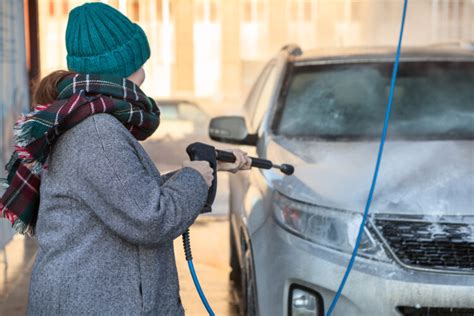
232,130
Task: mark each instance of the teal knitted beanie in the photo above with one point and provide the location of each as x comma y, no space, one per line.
101,40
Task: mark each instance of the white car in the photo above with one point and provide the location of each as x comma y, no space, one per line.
292,236
180,119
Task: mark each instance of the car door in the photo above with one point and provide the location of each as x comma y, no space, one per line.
243,193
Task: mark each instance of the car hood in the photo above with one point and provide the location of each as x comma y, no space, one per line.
416,177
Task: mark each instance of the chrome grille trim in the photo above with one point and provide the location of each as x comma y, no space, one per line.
452,223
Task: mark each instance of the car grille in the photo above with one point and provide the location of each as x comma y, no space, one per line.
440,246
435,311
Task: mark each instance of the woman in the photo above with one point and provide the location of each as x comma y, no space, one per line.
105,219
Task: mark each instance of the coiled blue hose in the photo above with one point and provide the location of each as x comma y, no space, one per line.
377,165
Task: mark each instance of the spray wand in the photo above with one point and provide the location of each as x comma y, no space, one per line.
256,162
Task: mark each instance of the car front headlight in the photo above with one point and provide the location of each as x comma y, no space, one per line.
331,228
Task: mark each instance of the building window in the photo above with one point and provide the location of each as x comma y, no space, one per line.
300,11
253,11
206,10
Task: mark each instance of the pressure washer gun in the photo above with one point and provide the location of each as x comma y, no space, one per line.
200,151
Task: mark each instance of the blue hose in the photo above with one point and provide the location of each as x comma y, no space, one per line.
189,259
377,165
199,289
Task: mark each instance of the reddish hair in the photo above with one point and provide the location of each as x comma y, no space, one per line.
45,91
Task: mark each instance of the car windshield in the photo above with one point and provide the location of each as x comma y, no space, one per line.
432,100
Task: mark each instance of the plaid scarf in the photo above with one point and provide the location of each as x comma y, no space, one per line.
80,96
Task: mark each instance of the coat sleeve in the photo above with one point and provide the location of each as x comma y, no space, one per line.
166,176
127,198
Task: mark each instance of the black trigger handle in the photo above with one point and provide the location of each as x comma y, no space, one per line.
200,151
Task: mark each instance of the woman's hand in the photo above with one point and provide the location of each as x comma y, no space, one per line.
242,162
203,168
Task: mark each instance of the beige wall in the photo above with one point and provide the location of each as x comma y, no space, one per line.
14,92
212,50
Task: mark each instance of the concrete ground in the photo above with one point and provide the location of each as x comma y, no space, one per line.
209,241
209,236
210,245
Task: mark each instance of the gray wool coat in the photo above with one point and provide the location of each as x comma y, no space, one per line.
106,225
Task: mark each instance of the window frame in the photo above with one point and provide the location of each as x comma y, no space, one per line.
253,97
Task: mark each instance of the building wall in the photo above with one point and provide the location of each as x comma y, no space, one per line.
14,92
213,49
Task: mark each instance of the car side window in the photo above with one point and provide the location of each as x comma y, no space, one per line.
254,95
264,99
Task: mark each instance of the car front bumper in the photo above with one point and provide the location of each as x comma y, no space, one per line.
373,288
